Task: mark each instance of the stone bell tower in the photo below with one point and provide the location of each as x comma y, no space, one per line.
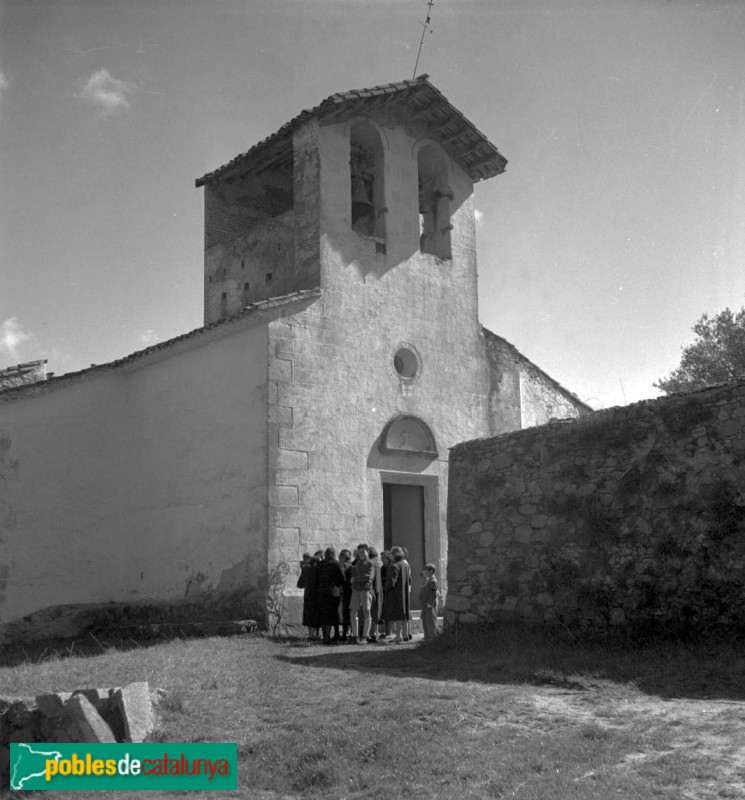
382,175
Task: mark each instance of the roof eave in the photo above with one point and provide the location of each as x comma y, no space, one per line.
464,140
252,313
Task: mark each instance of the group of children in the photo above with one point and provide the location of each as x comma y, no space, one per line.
364,596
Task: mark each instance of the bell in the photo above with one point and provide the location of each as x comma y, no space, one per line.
363,210
361,191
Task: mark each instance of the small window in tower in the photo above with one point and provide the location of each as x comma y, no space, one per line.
407,362
224,296
268,277
245,287
243,263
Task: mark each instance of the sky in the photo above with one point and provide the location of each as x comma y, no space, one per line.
619,221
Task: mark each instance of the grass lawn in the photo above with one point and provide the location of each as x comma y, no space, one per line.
498,714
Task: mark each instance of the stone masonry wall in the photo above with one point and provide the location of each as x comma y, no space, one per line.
250,267
631,516
521,395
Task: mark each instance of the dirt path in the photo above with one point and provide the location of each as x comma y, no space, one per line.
707,737
701,742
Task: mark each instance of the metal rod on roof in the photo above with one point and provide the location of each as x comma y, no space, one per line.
425,27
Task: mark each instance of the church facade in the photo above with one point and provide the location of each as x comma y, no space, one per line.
341,357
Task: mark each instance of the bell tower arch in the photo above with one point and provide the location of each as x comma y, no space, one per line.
367,182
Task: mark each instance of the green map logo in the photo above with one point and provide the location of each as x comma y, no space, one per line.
204,766
27,763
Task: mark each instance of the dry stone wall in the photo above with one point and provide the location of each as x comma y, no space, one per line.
120,714
632,517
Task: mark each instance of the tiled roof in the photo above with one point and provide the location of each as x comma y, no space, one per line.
461,138
21,369
249,310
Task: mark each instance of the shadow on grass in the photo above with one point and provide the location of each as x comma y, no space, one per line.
36,652
511,655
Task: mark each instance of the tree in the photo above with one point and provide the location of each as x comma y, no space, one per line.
716,356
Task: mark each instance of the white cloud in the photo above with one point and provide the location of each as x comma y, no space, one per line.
109,94
12,337
149,337
478,215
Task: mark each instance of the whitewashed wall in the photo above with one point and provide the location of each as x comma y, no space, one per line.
145,480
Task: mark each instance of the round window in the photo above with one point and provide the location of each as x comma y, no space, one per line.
406,362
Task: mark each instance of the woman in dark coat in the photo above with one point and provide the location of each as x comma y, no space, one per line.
376,610
308,582
407,619
345,563
330,580
385,560
397,582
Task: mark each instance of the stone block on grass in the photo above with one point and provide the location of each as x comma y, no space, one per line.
84,723
136,708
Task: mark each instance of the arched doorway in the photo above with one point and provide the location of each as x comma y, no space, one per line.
410,499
